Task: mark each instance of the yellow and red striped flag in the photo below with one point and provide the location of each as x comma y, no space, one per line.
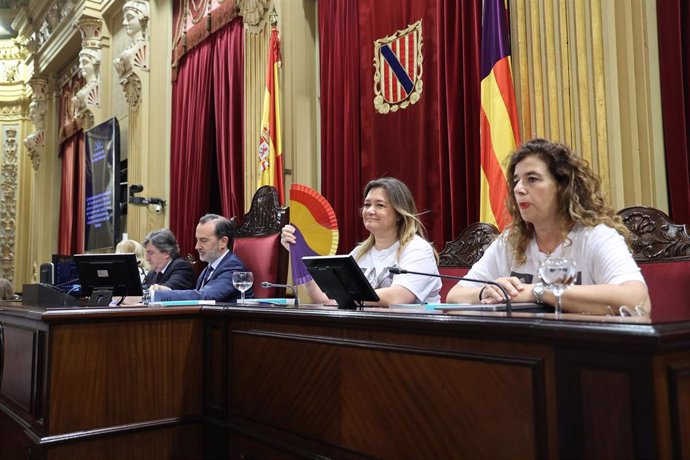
500,134
270,146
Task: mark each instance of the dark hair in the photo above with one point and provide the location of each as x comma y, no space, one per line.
223,227
579,196
164,240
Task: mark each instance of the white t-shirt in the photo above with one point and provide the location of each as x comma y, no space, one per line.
600,253
418,255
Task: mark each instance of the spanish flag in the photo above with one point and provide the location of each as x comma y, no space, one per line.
270,146
500,134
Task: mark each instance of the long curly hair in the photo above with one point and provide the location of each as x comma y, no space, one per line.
579,196
407,219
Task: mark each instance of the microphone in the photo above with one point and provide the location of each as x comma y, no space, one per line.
401,271
67,282
266,284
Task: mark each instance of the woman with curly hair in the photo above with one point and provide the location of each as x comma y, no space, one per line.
557,209
396,237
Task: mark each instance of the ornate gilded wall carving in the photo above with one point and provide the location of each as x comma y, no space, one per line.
36,141
136,15
8,208
89,64
42,28
253,12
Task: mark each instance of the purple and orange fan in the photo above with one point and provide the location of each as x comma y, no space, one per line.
316,229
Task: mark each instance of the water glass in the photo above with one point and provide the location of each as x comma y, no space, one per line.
557,274
242,282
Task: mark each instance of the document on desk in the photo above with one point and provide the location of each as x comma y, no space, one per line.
177,303
517,306
270,301
468,306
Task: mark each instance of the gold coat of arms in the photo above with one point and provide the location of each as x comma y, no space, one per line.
398,69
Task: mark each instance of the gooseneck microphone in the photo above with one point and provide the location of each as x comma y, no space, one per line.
266,284
401,271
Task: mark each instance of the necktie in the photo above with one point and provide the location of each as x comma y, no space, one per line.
157,278
209,271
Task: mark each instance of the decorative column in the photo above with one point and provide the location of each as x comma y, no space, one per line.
8,208
36,141
89,96
135,58
255,17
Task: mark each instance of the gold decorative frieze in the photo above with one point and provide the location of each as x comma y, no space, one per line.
8,208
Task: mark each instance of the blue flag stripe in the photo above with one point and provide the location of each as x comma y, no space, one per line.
398,70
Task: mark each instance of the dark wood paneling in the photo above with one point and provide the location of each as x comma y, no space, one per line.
123,372
19,366
14,445
679,399
606,405
184,442
390,402
605,398
215,368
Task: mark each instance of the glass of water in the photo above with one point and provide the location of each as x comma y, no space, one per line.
242,282
558,273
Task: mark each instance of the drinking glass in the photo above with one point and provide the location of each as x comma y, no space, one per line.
557,274
242,282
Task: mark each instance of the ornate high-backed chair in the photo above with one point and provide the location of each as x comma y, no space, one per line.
458,255
662,250
257,241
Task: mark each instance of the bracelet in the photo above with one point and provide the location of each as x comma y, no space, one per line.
482,292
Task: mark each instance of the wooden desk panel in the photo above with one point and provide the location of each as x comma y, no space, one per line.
354,385
392,402
123,372
120,383
265,382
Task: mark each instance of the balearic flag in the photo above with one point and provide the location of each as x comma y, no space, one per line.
270,146
500,134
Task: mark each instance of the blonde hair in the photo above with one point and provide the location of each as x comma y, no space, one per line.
401,200
133,246
579,196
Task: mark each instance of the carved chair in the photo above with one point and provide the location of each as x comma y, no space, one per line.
257,241
662,250
460,254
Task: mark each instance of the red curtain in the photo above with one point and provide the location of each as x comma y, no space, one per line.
190,156
433,145
71,225
341,182
213,69
673,17
228,93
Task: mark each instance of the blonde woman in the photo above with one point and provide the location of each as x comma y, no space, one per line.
396,237
134,247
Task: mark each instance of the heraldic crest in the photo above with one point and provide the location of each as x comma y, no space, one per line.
398,69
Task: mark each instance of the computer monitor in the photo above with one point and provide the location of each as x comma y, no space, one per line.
65,275
103,276
341,279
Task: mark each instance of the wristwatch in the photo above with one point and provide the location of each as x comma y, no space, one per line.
538,291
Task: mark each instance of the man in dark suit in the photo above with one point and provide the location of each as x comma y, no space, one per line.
167,267
213,239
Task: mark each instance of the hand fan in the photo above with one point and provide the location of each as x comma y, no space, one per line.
316,229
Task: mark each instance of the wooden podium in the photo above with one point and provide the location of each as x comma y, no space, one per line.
270,382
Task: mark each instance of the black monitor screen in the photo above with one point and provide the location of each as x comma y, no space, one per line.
102,191
65,274
118,273
341,279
